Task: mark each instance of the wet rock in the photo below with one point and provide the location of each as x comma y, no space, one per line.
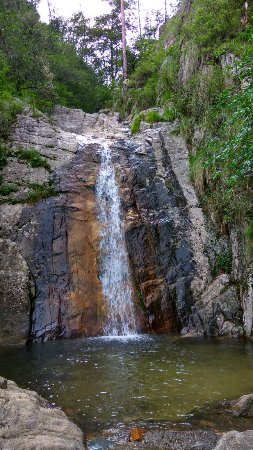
235,441
165,228
16,292
59,239
29,423
243,406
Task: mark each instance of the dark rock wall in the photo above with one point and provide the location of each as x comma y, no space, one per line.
156,234
58,238
55,242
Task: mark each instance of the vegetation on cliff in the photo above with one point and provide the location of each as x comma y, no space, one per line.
201,70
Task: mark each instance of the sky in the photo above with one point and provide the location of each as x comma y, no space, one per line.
92,8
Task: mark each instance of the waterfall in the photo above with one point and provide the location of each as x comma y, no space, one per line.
114,267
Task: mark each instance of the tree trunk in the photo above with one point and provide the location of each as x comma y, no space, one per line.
123,24
165,11
139,16
49,10
245,14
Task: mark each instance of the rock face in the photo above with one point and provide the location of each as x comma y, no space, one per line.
28,422
57,237
217,312
164,226
17,293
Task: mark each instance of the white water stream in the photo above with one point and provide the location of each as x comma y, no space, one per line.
114,267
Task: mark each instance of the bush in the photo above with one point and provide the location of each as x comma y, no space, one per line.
151,117
33,158
9,109
136,122
223,264
40,191
6,189
3,156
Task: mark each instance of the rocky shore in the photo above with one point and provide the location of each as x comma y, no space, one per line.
28,422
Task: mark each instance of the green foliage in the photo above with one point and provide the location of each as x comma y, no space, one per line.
151,117
227,155
249,232
40,192
6,189
136,122
33,158
209,23
223,263
10,107
3,156
170,114
37,66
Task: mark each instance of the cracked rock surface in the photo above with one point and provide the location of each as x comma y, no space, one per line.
28,422
57,236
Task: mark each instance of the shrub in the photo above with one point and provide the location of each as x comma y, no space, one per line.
6,189
135,126
9,109
40,191
223,263
33,158
3,156
153,116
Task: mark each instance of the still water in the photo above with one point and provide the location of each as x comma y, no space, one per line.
103,383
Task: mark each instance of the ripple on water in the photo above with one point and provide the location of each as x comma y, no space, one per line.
106,381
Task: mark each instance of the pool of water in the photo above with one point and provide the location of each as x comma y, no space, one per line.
103,383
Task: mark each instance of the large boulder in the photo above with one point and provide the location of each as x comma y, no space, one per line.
28,422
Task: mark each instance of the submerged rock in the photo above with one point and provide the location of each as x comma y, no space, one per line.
28,422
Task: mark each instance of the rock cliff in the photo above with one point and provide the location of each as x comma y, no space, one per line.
50,241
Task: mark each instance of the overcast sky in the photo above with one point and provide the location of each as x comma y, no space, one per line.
92,8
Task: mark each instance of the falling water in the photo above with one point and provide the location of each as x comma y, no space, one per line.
114,268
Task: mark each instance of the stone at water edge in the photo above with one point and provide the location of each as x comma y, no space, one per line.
243,406
29,423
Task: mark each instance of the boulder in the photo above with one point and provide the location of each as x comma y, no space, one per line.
243,406
28,422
